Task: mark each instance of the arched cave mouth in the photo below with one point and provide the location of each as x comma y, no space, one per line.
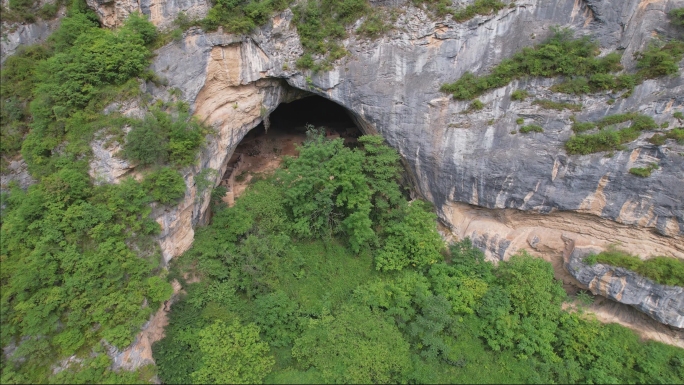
261,150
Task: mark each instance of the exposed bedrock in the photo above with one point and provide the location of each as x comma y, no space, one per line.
663,303
391,85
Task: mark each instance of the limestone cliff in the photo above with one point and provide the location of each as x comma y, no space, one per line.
391,85
663,303
505,191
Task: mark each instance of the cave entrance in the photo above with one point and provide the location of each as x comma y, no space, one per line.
261,150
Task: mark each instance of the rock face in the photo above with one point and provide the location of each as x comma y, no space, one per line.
162,13
460,161
15,35
663,303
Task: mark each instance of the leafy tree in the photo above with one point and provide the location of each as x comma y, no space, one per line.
278,318
232,354
355,346
412,241
163,137
165,185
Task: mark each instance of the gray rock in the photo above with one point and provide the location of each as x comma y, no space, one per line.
663,303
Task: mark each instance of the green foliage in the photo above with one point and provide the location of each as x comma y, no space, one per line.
520,121
475,105
90,68
519,95
247,361
17,80
87,276
479,7
76,269
559,106
25,11
677,134
241,16
530,128
373,26
521,313
321,25
561,55
644,171
163,137
355,346
678,115
658,61
330,316
663,270
606,140
331,189
677,17
165,185
278,318
411,241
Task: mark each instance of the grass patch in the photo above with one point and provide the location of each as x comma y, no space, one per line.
607,140
479,7
531,128
519,95
575,59
476,105
678,115
520,121
559,106
644,171
676,134
663,270
561,55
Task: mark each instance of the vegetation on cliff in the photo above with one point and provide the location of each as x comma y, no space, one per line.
663,270
80,269
328,265
578,62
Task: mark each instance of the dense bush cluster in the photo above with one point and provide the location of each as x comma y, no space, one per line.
575,59
609,139
80,268
663,270
26,11
324,273
561,55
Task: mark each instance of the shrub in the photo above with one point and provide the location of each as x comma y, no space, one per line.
519,95
476,105
578,127
373,26
662,60
162,137
479,7
559,56
165,185
678,115
520,121
644,171
663,270
677,17
530,128
559,106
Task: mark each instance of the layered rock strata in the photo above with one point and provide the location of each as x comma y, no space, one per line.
663,303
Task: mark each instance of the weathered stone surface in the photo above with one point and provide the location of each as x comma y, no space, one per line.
391,85
161,13
663,303
15,35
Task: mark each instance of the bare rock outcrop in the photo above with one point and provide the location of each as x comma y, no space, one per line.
161,13
663,303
